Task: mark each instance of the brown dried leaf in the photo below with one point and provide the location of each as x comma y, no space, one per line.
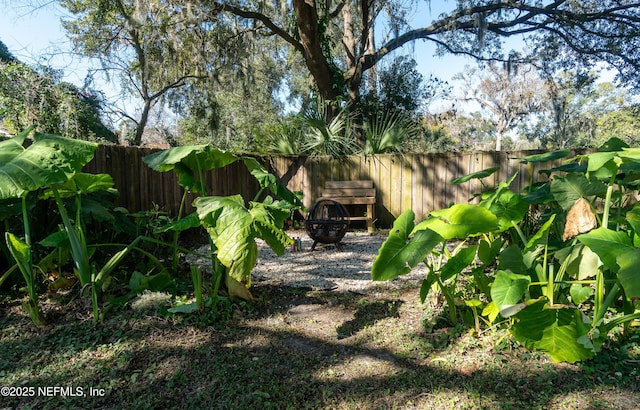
580,219
238,289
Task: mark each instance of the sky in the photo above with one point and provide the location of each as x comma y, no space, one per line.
32,36
36,36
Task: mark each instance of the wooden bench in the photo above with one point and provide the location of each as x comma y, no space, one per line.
353,193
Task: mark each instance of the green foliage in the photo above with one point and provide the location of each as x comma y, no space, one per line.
29,96
324,135
232,226
399,87
5,54
388,131
561,288
226,67
50,166
312,133
49,160
507,95
578,111
283,137
400,252
218,75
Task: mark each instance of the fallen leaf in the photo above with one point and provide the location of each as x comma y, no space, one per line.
580,219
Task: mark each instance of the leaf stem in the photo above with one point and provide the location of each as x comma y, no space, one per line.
607,203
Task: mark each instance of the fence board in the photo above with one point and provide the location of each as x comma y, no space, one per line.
420,182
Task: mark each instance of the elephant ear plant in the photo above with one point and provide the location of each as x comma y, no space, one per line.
557,264
232,225
49,167
47,161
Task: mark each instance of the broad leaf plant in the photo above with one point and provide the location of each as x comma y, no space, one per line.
232,225
49,166
46,162
557,263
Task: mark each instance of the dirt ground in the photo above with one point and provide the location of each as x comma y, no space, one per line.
321,335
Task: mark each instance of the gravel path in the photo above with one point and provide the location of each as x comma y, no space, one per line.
326,268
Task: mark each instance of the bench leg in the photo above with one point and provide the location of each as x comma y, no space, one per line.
370,217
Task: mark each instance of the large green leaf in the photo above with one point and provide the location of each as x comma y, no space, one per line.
166,160
399,253
574,166
280,211
11,148
195,157
510,208
230,226
582,263
49,159
268,226
90,183
628,275
475,175
547,156
460,221
555,331
608,245
188,161
569,189
598,160
83,184
458,262
613,144
508,288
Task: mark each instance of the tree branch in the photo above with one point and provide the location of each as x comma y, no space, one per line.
237,11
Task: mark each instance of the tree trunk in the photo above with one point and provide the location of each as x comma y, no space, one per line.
350,44
144,118
372,79
310,38
499,141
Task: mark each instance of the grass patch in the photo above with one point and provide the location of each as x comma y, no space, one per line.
295,349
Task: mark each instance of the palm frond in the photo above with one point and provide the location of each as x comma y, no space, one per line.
387,131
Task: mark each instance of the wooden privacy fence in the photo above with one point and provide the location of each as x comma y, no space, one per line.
141,188
420,182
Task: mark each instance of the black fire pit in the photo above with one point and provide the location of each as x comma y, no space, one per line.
327,222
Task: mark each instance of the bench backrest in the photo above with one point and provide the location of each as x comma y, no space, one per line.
350,191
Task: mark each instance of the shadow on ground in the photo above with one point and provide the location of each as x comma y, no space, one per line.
294,349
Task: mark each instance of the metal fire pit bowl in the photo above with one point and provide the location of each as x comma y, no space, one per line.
327,222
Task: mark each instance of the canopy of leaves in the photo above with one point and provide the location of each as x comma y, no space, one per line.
5,54
38,97
161,45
